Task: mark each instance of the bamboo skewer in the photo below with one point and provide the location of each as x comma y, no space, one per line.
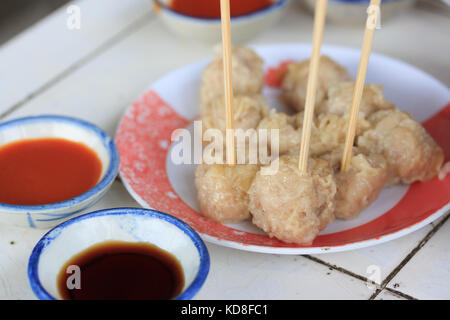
359,84
311,89
227,77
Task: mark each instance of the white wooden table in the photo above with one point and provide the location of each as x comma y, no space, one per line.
95,72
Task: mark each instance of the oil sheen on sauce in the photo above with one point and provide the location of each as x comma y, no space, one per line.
44,171
211,8
117,270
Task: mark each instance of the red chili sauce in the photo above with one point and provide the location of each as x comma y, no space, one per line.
44,171
211,8
274,75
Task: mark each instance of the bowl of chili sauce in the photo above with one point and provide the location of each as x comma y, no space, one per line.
52,167
200,19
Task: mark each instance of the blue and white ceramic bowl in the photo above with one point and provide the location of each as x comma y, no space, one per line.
121,224
242,27
355,11
49,215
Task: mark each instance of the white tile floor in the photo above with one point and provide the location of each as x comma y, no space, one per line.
386,256
427,274
118,54
245,275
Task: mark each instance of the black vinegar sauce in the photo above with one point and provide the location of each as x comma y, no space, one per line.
116,270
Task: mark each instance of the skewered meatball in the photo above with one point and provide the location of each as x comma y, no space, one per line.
340,98
295,81
248,112
360,185
289,134
328,131
410,152
222,191
247,74
290,206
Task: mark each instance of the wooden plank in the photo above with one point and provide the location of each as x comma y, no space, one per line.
44,52
100,90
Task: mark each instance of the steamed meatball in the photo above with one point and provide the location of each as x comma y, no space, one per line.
410,152
295,81
340,98
289,135
329,131
290,206
222,191
247,74
248,112
360,185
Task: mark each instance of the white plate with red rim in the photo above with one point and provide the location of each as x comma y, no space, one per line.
144,142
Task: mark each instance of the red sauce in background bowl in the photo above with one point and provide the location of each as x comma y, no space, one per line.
44,171
211,8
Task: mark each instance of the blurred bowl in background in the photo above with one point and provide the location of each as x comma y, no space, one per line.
243,27
355,11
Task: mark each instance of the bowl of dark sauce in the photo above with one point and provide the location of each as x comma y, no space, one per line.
119,254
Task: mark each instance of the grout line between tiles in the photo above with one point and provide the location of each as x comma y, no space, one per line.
134,26
383,285
400,294
409,257
340,269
